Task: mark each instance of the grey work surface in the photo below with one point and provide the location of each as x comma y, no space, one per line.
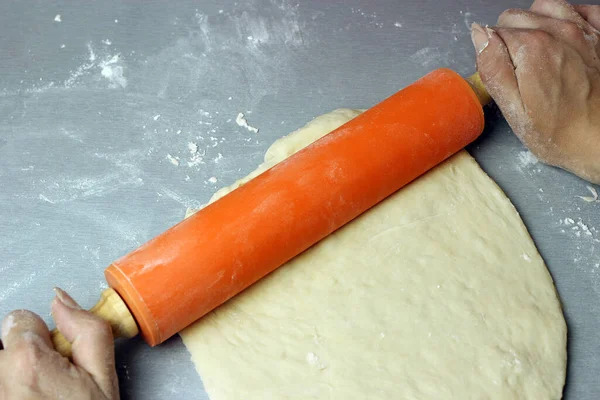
98,109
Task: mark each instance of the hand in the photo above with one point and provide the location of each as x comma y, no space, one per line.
542,68
30,368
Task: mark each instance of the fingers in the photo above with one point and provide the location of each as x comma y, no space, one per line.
496,69
558,9
22,327
591,13
91,339
576,35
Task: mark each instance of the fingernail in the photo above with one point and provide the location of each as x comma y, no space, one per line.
67,300
480,37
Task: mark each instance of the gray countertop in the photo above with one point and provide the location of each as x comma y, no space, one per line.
118,115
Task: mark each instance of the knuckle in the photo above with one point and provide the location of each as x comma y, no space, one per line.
571,31
539,39
17,315
509,15
98,325
27,357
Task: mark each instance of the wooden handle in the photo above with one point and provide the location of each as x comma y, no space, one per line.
477,85
110,308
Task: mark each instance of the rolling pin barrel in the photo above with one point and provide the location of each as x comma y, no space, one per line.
200,263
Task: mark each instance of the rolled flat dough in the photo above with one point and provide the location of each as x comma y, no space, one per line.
436,293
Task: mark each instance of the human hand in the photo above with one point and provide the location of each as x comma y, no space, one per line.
30,368
542,68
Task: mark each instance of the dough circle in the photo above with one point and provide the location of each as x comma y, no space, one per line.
436,293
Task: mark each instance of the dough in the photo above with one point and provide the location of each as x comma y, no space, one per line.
436,293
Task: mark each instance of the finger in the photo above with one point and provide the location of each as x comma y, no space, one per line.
591,13
568,32
496,69
558,9
23,327
91,339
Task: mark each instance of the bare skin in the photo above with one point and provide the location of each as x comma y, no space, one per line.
30,368
542,67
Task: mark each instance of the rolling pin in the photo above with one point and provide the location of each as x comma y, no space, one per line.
195,266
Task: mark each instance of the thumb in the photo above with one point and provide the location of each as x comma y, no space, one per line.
496,69
91,340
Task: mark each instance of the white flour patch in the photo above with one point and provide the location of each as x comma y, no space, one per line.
241,121
429,57
113,72
17,286
314,360
585,239
196,156
65,189
44,198
183,200
246,47
397,24
58,18
173,160
108,66
193,147
526,158
92,54
371,18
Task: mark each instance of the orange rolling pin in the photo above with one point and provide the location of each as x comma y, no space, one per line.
200,263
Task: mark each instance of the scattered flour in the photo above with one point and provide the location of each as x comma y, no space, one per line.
58,18
431,57
212,179
110,67
113,72
91,54
314,360
241,121
193,147
173,160
47,200
397,24
580,229
17,286
196,156
527,158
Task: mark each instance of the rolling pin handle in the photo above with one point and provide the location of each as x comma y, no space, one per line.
479,89
110,308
